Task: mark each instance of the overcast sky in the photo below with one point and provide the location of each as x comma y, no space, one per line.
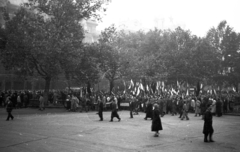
198,16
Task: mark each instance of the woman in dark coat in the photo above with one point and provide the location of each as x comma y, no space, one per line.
208,128
156,121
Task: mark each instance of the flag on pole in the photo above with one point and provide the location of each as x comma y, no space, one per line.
81,92
233,89
131,84
163,86
138,91
141,87
178,85
187,93
147,88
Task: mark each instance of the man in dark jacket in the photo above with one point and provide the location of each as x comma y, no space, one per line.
208,128
9,108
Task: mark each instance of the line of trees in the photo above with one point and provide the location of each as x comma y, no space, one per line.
173,55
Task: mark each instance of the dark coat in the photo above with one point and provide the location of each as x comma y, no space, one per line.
156,122
149,110
114,110
100,109
207,127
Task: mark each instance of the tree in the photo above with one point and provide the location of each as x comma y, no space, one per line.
86,70
46,35
227,43
109,55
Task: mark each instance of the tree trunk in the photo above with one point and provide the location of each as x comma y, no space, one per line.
46,90
111,85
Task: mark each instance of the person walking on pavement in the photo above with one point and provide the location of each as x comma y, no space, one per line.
114,110
149,110
131,106
9,108
180,107
207,127
100,109
156,121
185,111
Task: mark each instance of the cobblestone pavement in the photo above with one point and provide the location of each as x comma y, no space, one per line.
58,130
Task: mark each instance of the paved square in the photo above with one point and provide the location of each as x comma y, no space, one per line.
58,130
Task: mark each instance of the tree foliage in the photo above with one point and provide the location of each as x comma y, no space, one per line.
176,55
45,36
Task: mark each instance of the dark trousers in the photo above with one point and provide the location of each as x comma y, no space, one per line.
114,114
68,105
181,113
100,113
131,114
10,115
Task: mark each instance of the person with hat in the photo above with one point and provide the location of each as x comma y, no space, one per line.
156,121
208,127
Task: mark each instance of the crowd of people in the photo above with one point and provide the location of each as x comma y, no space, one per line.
155,106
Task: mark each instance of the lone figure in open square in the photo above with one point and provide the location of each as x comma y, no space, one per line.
156,121
208,128
114,110
9,108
